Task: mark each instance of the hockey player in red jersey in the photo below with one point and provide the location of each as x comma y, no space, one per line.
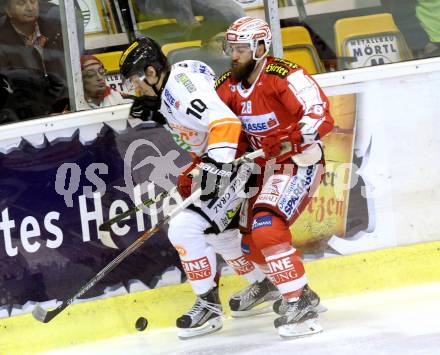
279,105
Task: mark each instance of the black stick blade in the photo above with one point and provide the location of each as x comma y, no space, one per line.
44,316
40,314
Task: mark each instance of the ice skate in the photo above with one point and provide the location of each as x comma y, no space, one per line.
203,318
300,319
280,305
254,299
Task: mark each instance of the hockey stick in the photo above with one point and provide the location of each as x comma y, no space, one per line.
46,316
105,227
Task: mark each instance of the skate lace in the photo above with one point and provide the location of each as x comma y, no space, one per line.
298,309
292,309
251,291
201,304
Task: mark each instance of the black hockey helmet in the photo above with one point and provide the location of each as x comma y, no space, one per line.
142,53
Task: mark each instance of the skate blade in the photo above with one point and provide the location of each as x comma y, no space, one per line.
209,327
267,308
298,330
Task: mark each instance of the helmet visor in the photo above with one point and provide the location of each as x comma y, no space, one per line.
133,82
239,48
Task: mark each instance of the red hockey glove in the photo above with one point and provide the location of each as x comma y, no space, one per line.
184,181
273,143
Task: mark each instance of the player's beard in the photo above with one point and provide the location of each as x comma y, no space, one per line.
241,71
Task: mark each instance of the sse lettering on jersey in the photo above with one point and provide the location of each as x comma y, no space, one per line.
198,120
283,95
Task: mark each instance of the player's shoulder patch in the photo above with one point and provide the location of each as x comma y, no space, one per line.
280,67
222,79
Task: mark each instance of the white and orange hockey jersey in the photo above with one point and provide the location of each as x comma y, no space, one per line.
197,118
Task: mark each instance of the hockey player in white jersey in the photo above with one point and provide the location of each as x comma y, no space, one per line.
183,97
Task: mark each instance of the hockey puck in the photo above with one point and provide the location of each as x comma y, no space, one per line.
141,324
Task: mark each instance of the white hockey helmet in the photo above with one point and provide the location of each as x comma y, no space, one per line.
250,30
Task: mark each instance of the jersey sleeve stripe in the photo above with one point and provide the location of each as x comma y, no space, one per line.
224,133
228,120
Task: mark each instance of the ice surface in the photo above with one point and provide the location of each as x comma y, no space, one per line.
400,321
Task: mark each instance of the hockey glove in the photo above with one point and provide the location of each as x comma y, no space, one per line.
146,108
272,144
184,180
